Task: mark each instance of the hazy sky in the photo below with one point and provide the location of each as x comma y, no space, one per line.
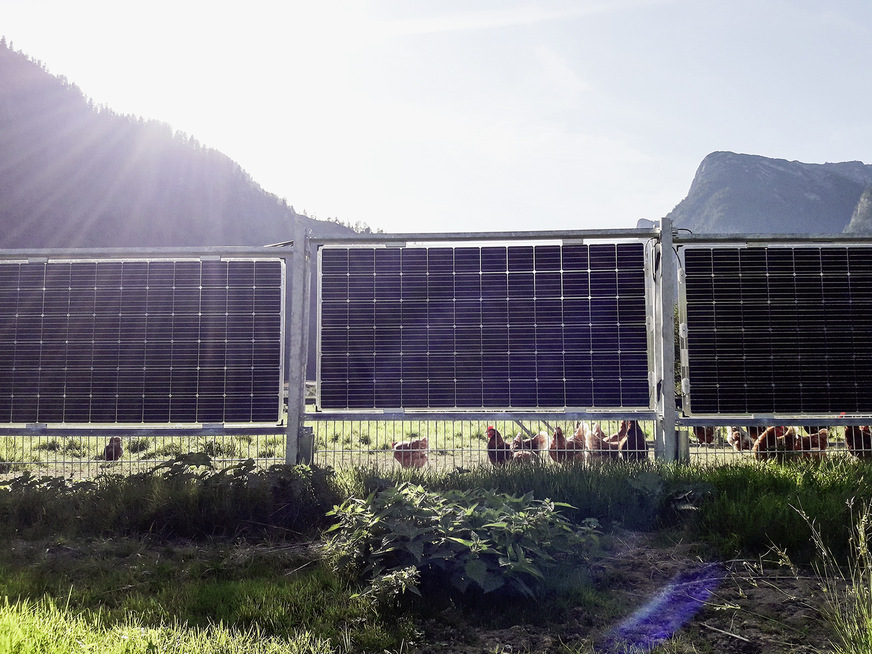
459,115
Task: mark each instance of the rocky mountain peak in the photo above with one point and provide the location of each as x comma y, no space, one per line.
742,193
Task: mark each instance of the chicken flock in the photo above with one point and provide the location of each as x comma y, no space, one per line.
587,444
782,442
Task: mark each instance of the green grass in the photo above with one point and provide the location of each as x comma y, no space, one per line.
187,557
282,594
184,498
754,506
42,627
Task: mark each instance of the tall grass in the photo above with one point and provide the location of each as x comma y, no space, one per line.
187,497
751,506
848,587
738,509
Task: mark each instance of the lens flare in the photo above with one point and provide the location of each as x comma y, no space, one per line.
666,612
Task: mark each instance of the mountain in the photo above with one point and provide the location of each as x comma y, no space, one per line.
742,193
861,219
76,175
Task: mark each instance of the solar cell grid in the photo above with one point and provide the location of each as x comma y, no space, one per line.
778,329
493,326
141,341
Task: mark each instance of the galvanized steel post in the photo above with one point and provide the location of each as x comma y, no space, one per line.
666,436
296,356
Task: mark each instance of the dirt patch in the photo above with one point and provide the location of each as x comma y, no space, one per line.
757,606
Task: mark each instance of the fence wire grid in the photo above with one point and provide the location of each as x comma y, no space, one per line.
450,445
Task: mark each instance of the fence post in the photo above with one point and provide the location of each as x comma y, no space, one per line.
296,356
666,436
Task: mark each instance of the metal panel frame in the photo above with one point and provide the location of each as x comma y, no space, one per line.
293,356
664,241
441,240
685,241
661,354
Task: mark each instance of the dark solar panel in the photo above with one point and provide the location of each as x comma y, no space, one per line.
141,341
471,327
778,329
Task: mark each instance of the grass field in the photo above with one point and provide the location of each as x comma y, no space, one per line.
190,558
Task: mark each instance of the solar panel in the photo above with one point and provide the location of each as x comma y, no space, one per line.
778,329
154,341
477,327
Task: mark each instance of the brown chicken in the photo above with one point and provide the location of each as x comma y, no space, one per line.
498,451
527,449
773,443
599,447
859,441
754,431
633,446
739,439
705,435
567,450
412,453
113,450
812,446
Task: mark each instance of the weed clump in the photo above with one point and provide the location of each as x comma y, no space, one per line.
471,542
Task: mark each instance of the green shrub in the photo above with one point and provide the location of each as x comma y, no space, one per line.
474,541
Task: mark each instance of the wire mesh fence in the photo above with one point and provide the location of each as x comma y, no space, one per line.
462,444
437,445
90,454
725,443
452,444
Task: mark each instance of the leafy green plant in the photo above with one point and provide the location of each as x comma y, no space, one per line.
474,541
75,447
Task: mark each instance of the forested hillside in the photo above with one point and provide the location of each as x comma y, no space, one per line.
74,174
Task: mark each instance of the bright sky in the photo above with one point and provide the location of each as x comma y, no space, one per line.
474,115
